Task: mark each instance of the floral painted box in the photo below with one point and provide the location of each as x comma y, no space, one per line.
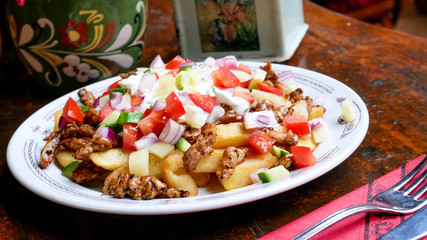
249,29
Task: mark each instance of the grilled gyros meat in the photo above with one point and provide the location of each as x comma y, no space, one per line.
86,97
87,171
232,157
202,148
140,188
49,149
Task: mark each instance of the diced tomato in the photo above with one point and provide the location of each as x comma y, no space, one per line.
245,84
153,123
105,111
245,68
261,142
131,133
303,156
205,102
114,85
297,124
224,78
72,111
268,89
174,108
175,62
105,93
243,93
136,100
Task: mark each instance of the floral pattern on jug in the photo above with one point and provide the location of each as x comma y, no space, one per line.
64,54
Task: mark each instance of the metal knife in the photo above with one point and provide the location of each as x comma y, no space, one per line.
413,228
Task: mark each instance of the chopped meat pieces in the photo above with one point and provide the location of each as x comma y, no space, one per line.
91,117
128,74
87,171
145,187
202,148
97,144
284,138
78,130
86,97
49,149
231,158
191,135
271,75
75,144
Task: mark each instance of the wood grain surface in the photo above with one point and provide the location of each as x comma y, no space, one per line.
386,68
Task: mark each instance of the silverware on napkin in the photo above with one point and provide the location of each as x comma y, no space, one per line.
413,228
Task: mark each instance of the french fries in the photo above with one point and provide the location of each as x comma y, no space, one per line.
242,173
175,175
231,134
110,159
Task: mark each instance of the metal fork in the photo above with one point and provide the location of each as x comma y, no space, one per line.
396,199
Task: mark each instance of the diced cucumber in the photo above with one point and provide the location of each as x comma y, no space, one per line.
111,121
259,77
273,174
68,170
129,117
186,79
120,90
161,149
183,145
280,152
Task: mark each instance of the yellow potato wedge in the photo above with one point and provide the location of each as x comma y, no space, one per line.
65,157
316,112
307,141
155,164
210,163
242,173
175,175
58,115
201,179
231,134
110,159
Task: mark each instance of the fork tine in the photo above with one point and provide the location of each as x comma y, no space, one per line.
410,175
415,184
420,192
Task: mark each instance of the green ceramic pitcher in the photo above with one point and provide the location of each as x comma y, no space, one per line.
67,44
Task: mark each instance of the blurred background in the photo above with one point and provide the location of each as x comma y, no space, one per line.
409,16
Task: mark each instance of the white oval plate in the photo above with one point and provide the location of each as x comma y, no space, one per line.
23,156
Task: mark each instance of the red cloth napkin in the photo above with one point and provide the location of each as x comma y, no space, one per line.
360,226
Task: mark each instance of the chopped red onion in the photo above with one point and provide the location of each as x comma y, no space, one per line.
261,119
158,105
106,132
157,62
184,98
172,132
121,107
186,64
216,113
141,107
115,98
146,141
96,102
254,175
317,123
228,61
62,123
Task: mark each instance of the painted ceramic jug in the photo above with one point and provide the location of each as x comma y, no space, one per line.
67,44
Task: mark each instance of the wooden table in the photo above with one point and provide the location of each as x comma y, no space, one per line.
387,69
